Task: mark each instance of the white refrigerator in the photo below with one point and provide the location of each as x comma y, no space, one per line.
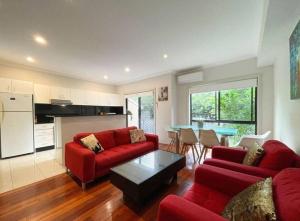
16,124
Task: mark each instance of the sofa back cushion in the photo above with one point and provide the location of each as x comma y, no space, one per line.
105,138
122,136
277,156
296,161
286,194
77,138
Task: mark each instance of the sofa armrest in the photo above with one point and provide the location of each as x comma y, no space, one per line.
80,161
179,209
223,180
229,154
152,138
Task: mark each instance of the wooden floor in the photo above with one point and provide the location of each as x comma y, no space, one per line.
61,198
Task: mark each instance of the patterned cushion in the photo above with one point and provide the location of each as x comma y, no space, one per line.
253,155
253,203
137,136
92,143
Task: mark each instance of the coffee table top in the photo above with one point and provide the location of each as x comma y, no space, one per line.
144,167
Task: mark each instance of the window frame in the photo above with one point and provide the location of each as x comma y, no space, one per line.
253,121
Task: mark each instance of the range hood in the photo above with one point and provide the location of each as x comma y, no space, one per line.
61,102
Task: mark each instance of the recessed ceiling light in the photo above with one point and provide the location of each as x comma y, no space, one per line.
127,69
165,56
105,77
40,40
30,59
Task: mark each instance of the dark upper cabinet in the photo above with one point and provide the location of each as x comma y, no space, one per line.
76,110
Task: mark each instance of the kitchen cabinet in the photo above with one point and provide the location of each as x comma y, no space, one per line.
103,99
5,85
109,99
15,86
116,100
60,93
41,94
92,98
78,97
21,87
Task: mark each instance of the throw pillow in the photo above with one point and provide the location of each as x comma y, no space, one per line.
253,203
92,143
254,155
137,135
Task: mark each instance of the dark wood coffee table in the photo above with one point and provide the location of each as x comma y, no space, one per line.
141,177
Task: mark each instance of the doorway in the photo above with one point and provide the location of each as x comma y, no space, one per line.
140,108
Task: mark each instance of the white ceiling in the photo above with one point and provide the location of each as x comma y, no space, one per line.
91,38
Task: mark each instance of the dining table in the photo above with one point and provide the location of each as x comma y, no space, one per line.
224,132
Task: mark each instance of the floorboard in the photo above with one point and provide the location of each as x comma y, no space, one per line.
61,198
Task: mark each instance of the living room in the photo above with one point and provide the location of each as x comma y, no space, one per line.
149,110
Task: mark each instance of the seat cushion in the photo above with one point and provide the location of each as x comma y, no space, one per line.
138,149
120,154
277,156
286,193
207,197
106,139
122,136
251,170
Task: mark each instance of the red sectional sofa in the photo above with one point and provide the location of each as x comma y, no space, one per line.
214,187
277,157
86,165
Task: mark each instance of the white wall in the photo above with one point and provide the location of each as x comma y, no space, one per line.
25,73
282,18
287,116
165,112
230,72
176,109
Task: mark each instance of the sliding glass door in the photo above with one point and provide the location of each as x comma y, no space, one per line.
141,111
234,108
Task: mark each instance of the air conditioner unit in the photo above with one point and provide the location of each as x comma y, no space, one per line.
190,78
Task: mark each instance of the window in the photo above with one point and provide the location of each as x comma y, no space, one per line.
234,108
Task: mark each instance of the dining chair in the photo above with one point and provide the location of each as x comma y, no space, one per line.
172,135
247,141
189,139
208,139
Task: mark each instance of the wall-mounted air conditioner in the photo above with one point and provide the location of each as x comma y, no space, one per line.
190,78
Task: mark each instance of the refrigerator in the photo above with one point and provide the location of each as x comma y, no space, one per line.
16,124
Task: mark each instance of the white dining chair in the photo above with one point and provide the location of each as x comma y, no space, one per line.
173,136
188,140
247,141
208,139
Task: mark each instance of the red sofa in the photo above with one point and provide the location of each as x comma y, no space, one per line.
214,187
86,165
277,157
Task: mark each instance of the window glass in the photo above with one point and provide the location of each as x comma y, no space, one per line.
204,106
236,104
237,108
